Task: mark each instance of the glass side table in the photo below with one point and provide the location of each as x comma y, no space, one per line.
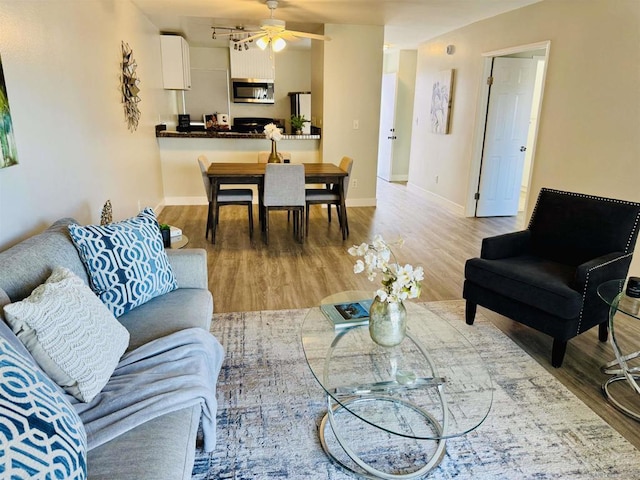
624,370
432,387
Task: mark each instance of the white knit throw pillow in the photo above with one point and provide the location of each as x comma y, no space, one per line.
72,335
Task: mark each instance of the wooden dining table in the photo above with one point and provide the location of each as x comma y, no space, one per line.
253,173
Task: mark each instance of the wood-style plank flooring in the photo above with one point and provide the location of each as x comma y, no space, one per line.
246,275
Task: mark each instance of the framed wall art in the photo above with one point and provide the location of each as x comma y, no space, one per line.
441,101
8,152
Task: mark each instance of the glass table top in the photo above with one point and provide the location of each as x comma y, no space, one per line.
435,368
612,292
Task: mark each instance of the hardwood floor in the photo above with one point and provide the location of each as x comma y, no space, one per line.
246,275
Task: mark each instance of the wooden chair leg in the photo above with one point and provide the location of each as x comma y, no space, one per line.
302,225
557,352
266,226
346,222
250,212
306,227
209,219
329,212
296,219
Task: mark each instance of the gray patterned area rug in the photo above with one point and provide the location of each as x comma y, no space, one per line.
270,407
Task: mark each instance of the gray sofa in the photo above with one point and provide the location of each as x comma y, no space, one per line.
162,448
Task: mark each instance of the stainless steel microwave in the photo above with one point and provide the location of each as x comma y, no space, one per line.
252,90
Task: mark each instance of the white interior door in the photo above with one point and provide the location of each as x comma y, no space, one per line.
387,125
506,132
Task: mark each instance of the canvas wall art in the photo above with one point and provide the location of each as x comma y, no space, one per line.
441,101
8,153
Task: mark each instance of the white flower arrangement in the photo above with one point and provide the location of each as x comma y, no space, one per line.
272,132
399,282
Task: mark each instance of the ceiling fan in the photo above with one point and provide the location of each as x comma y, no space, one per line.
273,32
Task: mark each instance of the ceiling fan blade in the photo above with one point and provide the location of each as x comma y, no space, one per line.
252,37
314,36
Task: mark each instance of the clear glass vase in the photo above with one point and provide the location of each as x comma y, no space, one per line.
387,322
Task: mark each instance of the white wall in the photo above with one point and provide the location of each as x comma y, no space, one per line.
588,138
352,82
61,64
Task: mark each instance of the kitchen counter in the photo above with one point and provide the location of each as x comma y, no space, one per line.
221,134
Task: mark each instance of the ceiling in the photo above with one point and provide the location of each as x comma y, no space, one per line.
407,22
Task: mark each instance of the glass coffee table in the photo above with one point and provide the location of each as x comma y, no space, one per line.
431,387
621,389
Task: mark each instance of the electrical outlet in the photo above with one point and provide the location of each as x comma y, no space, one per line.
139,206
354,183
356,124
437,178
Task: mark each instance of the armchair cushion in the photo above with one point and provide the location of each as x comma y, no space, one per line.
532,280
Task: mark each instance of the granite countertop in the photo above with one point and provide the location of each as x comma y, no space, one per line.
214,134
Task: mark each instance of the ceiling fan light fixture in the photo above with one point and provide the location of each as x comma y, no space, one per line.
278,43
262,43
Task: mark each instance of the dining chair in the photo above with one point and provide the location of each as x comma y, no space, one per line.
263,157
330,195
284,190
227,196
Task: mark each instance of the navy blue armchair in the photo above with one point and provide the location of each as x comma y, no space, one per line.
546,276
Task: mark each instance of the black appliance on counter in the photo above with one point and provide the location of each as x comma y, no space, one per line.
254,124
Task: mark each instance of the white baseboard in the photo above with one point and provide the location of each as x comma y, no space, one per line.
361,202
202,200
399,178
443,202
159,208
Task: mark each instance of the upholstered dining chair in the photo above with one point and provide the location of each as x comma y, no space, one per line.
284,190
546,277
263,157
227,196
330,195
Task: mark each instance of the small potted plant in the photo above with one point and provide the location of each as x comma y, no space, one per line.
165,230
297,122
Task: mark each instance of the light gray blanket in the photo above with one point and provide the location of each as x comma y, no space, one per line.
162,376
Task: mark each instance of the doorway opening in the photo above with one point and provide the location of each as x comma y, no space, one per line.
507,127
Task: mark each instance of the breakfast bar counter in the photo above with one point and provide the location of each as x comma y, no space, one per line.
227,134
181,178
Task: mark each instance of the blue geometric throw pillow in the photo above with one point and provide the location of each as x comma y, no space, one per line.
41,435
126,261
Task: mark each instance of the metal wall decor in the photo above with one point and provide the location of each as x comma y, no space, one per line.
130,88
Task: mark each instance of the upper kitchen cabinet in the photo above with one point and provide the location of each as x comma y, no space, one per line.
248,61
176,68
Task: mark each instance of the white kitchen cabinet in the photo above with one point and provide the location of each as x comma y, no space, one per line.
252,62
176,67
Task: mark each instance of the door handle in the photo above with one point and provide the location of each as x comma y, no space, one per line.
523,149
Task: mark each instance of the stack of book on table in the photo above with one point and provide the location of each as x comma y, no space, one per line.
347,314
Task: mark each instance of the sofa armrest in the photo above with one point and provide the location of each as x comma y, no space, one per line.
189,266
611,266
507,245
